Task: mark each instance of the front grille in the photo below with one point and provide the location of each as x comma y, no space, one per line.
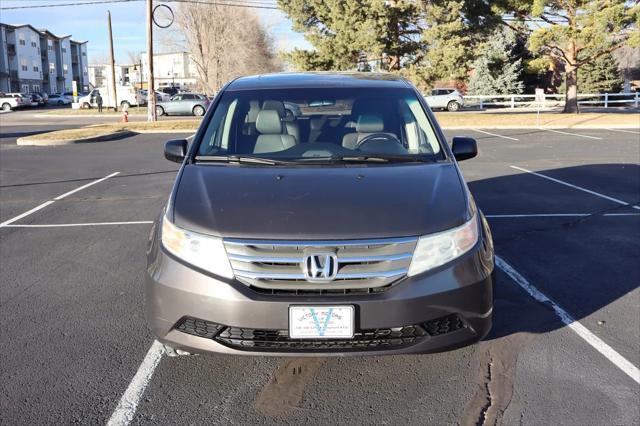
382,338
279,340
363,266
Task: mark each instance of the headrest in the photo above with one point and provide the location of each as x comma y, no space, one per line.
368,123
275,106
268,122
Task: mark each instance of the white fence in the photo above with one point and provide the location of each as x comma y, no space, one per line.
528,101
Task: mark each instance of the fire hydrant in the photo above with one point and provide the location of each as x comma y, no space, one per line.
125,113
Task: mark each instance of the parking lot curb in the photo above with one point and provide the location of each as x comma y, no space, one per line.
35,141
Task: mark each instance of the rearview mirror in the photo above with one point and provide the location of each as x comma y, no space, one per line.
175,150
464,148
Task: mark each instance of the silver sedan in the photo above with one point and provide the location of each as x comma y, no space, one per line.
183,104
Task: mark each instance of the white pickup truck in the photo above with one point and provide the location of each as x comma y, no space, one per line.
11,101
125,96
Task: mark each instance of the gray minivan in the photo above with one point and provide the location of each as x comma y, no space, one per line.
319,214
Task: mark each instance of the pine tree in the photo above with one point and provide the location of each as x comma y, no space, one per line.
496,69
600,76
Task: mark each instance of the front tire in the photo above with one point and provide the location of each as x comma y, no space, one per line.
6,107
125,104
86,105
198,111
453,106
159,111
60,103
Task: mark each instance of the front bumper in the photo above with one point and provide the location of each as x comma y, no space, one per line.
232,317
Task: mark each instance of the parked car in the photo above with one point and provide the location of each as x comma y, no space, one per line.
26,100
44,96
169,90
36,99
11,101
183,104
449,99
288,235
58,99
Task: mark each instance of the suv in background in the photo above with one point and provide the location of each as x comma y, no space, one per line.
449,99
10,101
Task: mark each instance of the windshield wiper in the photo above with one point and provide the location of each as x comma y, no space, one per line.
380,159
241,159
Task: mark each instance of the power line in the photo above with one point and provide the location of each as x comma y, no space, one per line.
255,4
82,3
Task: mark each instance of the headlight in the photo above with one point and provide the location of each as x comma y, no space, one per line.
204,251
437,249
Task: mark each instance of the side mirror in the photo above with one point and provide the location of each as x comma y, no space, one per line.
175,150
464,148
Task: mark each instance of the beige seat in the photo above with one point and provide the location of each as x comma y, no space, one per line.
366,125
271,137
290,125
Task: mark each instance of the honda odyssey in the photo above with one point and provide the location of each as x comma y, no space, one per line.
319,214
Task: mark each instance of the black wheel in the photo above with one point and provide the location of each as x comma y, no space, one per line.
159,111
86,105
198,111
453,106
60,103
6,107
125,104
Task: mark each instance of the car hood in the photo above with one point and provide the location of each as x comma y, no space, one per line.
350,202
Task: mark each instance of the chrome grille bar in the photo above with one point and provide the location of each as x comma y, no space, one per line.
362,264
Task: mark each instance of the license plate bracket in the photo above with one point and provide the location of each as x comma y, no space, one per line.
321,322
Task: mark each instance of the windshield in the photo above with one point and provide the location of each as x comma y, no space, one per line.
334,124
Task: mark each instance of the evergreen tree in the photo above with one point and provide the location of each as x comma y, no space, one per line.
600,76
496,69
342,31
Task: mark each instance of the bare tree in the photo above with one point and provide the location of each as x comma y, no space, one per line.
224,43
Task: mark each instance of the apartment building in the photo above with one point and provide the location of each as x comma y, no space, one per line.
36,60
171,69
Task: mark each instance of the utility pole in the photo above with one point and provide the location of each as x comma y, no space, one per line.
151,99
112,63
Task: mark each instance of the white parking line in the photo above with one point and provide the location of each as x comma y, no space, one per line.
493,134
501,216
618,360
573,134
64,225
128,404
588,191
66,194
624,131
47,203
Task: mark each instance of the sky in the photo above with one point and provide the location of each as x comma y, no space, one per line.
89,22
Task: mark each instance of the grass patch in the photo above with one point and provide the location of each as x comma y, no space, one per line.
99,130
530,119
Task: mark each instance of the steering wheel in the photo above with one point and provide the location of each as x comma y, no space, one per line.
397,148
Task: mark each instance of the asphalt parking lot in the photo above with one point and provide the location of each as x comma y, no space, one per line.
564,349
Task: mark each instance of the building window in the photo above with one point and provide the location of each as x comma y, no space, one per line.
52,67
36,88
33,44
36,69
22,42
84,53
64,50
65,69
23,65
24,88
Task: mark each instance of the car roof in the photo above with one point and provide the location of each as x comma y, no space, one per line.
290,80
